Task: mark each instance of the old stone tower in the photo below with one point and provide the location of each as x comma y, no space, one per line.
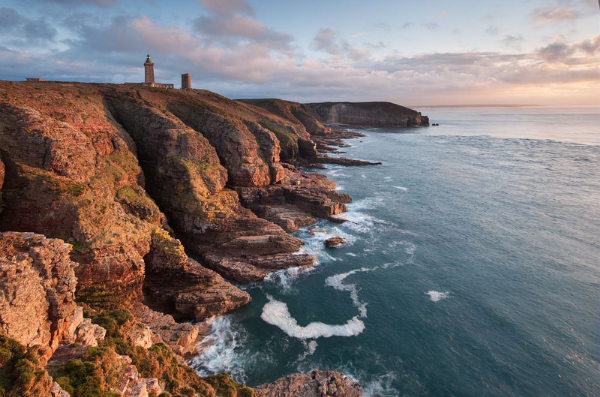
149,69
186,81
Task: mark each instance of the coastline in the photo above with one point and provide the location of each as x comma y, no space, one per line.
136,178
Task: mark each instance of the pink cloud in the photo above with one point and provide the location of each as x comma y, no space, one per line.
552,14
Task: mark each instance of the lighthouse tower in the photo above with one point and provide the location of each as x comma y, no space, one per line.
149,69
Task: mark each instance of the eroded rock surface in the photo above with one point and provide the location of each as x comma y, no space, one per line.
315,384
182,286
37,300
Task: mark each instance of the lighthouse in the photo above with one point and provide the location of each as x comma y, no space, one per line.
149,69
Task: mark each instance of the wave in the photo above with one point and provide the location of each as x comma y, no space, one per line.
404,189
219,350
277,313
437,296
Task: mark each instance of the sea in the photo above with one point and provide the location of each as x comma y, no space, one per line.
472,265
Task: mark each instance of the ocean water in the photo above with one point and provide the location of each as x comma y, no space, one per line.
472,267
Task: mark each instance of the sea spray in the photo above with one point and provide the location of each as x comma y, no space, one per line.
219,351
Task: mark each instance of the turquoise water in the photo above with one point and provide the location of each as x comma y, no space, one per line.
471,269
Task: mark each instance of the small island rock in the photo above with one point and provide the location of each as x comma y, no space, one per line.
335,242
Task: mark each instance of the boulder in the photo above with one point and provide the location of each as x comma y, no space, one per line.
335,242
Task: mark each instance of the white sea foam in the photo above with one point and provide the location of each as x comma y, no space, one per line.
351,254
219,350
286,277
314,240
336,281
381,387
400,188
277,313
437,296
339,188
311,348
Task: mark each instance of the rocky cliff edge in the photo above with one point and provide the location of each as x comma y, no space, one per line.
101,186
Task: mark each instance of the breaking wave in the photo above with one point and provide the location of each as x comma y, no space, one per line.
219,351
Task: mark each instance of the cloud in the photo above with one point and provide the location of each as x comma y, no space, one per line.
328,41
224,28
560,52
236,55
21,31
552,14
382,26
492,30
9,18
556,52
513,41
432,26
590,47
228,7
80,2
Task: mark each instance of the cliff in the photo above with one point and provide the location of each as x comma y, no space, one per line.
314,117
367,114
105,191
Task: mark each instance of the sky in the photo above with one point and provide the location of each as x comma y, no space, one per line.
417,53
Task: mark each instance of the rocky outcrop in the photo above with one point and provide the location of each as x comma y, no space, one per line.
181,286
335,242
182,338
315,384
37,300
367,114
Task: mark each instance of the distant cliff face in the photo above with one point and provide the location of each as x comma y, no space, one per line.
314,117
367,114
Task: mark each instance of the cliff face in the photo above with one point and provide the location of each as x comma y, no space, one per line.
311,117
104,166
117,173
367,114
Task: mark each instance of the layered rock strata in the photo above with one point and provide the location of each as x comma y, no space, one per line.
180,285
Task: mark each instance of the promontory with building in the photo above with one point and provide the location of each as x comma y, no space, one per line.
105,192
